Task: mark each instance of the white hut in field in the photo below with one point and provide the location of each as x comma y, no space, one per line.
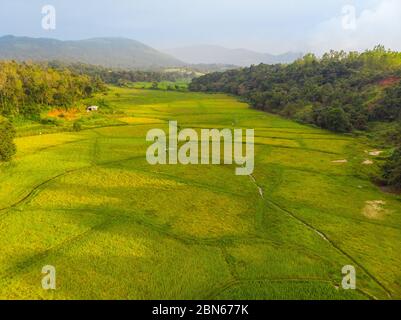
92,108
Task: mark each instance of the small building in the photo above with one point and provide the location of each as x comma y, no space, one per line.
92,108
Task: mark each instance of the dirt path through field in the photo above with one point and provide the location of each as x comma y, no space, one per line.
321,234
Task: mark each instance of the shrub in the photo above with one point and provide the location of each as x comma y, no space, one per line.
77,126
50,121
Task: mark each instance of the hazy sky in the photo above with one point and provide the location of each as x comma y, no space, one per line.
263,25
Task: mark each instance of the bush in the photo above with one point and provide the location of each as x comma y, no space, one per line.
7,145
31,112
50,121
77,126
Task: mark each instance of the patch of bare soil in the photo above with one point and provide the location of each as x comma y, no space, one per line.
374,209
70,114
374,153
340,161
367,162
389,81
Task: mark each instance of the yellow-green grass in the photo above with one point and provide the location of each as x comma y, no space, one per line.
116,227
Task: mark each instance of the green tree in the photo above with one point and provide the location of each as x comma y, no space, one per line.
333,118
7,145
389,108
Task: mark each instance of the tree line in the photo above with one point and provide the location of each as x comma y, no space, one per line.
27,89
120,77
339,92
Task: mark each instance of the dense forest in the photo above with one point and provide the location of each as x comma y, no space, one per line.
26,89
120,76
340,91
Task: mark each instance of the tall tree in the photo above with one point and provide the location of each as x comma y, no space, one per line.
7,145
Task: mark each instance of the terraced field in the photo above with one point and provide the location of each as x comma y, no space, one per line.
116,227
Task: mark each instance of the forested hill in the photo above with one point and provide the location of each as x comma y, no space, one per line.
340,91
107,52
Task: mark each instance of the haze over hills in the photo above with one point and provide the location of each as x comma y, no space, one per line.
130,54
108,52
210,54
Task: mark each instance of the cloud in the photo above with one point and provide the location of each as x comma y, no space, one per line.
378,25
261,25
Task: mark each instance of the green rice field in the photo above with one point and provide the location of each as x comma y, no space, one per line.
115,227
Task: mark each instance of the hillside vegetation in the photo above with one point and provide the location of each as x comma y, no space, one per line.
339,91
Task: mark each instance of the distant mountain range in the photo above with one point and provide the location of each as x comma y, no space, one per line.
107,52
240,57
130,54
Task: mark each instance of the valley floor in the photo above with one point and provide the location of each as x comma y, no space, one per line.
116,227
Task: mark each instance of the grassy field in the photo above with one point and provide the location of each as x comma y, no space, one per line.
117,228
